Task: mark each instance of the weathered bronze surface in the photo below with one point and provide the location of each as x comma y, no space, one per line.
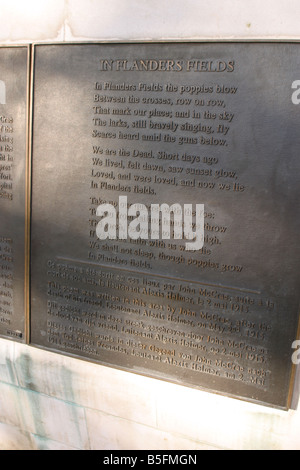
13,169
211,124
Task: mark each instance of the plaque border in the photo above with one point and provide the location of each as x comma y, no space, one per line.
28,195
293,395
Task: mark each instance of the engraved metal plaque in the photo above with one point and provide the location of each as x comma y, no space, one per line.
185,124
13,170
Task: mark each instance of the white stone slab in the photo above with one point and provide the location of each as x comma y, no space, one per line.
46,417
9,405
7,368
116,392
178,19
110,433
32,20
12,438
240,425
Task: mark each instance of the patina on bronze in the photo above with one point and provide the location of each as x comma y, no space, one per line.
213,124
14,85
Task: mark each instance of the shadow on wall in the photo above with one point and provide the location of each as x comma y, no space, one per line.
43,413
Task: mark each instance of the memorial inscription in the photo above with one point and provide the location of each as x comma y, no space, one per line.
13,154
181,124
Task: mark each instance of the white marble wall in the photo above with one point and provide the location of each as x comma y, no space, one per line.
50,401
76,20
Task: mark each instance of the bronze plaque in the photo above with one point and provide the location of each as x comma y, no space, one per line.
136,126
13,173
